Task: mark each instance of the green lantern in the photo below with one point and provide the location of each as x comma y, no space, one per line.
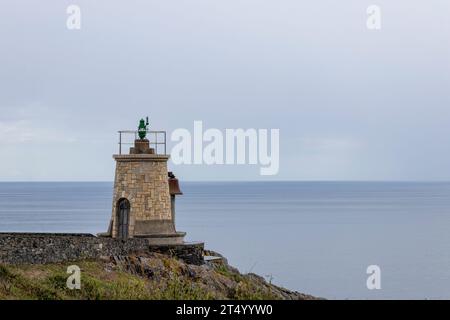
142,129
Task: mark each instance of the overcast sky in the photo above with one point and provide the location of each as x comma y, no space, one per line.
350,103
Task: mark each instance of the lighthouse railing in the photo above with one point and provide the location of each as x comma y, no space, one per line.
157,140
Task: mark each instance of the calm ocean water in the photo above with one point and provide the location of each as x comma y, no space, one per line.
314,237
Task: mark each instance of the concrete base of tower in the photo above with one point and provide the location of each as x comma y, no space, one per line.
153,227
164,239
155,232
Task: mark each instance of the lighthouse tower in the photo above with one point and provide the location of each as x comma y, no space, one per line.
143,203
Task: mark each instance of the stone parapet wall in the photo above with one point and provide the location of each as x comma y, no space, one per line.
41,248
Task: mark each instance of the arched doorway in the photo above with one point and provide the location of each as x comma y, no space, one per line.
123,217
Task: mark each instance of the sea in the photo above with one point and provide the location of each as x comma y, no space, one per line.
319,238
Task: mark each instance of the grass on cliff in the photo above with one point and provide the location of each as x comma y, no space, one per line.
48,282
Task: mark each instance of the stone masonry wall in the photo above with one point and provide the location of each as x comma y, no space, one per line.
142,179
34,248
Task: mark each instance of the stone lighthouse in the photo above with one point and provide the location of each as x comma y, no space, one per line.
144,193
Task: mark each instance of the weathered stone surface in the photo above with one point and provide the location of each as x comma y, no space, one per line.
142,179
190,254
35,248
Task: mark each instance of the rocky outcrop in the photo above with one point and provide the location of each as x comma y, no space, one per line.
216,278
145,276
34,266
